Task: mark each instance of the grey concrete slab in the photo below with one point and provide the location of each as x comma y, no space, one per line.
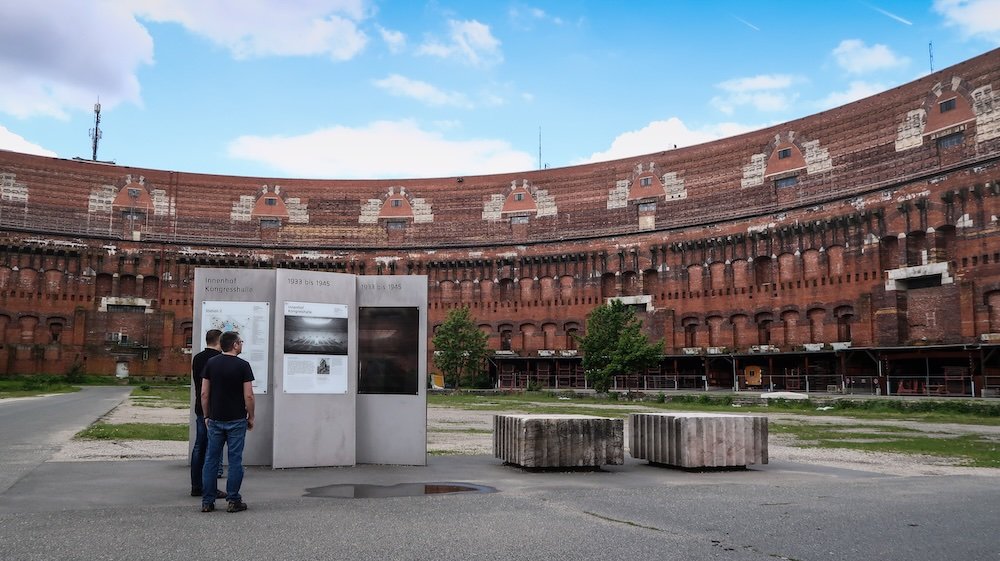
140,510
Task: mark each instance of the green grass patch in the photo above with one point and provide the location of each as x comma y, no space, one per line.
971,450
136,431
28,386
178,397
972,412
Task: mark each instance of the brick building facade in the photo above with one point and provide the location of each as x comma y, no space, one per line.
861,243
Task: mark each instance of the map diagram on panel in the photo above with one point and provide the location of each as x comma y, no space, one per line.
252,321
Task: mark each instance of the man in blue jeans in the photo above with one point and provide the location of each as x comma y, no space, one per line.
228,403
212,349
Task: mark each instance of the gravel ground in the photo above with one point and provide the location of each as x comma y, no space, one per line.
458,431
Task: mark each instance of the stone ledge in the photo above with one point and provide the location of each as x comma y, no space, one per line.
546,441
698,440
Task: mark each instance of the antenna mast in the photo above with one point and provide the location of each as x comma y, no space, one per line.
930,54
539,147
95,133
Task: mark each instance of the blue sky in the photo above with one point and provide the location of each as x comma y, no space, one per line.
379,89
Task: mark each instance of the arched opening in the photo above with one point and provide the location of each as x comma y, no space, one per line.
630,284
764,321
916,248
762,270
506,290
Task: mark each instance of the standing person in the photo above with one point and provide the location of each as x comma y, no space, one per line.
212,348
228,403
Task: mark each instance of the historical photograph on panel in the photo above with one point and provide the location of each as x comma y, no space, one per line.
315,348
315,335
388,350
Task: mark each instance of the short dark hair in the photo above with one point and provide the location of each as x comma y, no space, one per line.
212,336
229,340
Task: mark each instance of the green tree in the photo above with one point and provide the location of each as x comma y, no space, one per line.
615,345
459,347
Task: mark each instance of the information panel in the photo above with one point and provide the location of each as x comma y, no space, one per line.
252,321
388,343
315,348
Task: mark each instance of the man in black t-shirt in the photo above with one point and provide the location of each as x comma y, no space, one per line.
228,403
212,348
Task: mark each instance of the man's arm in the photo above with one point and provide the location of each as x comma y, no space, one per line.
248,401
205,384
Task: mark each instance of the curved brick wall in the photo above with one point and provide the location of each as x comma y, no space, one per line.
873,223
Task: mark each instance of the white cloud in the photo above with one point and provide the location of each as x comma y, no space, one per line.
857,58
469,41
762,92
759,82
396,40
17,143
257,29
974,18
857,90
382,149
761,101
60,55
663,135
524,17
423,92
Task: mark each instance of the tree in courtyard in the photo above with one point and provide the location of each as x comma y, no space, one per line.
459,348
615,345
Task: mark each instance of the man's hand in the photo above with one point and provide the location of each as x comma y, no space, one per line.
249,424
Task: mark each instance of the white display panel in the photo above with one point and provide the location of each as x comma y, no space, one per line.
252,321
315,347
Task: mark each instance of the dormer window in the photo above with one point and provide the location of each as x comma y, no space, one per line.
270,223
133,192
396,203
784,153
518,196
271,201
954,139
947,105
786,182
645,181
519,219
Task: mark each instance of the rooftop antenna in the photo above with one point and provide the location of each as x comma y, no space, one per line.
539,147
95,133
930,54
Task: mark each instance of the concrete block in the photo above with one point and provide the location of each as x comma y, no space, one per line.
698,440
542,441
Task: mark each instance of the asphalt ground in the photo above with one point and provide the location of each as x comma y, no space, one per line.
141,510
781,510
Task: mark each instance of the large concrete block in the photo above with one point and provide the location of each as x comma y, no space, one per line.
541,441
696,440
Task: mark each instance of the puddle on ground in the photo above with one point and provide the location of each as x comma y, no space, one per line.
367,491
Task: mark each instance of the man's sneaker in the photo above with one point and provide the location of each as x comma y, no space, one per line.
236,506
207,507
220,494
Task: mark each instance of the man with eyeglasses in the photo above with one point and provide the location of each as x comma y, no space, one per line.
228,403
